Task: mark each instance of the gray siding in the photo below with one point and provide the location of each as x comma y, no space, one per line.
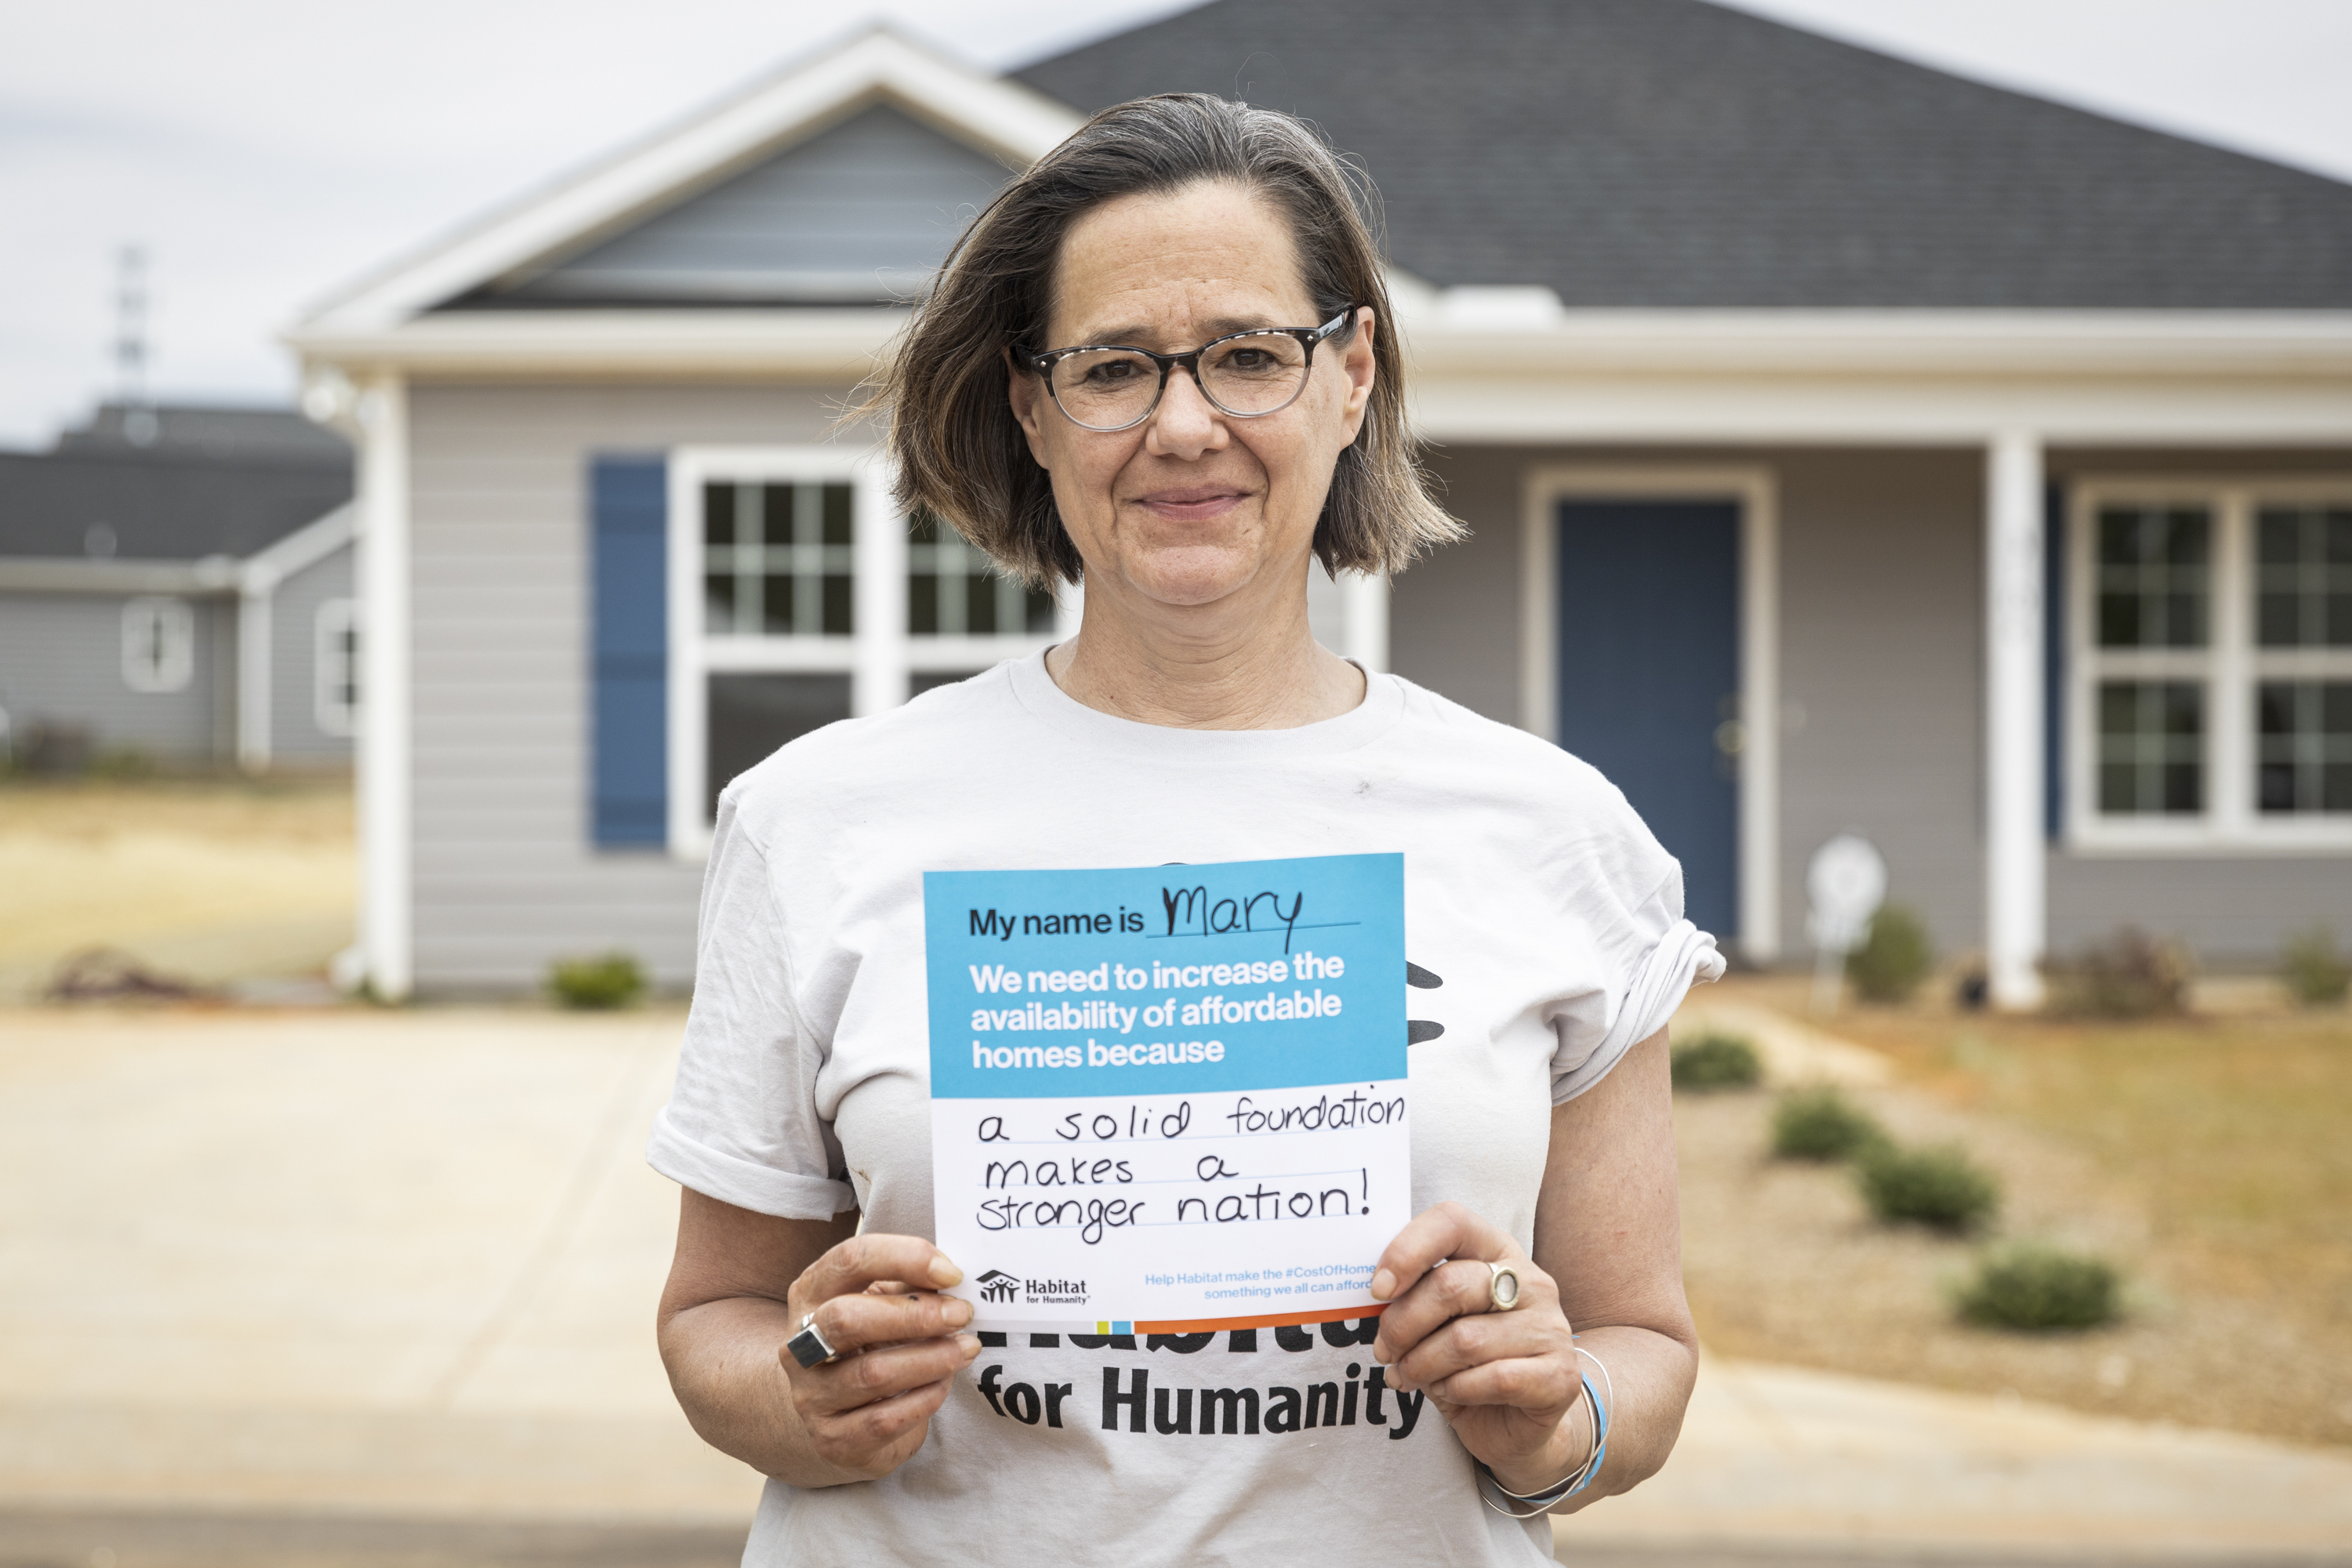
1880,652
1881,655
2234,913
864,210
61,660
1881,669
506,878
295,737
1879,646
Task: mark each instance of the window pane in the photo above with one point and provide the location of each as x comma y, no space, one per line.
775,513
2303,577
776,604
837,515
2303,740
717,604
836,605
923,604
979,606
2152,576
751,715
2151,747
718,514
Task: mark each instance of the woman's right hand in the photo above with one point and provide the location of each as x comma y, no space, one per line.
899,1347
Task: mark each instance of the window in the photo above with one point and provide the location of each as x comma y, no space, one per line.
2211,663
159,644
798,598
335,667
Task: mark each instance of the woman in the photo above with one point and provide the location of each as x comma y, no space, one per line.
1193,718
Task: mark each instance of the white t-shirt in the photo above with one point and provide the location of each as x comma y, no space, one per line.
1543,935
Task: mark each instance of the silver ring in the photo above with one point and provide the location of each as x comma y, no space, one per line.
1502,1297
809,1347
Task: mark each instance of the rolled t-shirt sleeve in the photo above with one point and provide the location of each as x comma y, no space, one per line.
1630,901
741,1124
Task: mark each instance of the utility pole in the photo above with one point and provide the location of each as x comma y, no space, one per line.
140,426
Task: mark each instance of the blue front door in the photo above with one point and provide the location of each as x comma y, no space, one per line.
1649,675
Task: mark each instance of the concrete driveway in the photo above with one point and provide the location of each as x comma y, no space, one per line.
346,1286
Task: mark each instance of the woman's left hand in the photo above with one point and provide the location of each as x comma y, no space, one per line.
1504,1380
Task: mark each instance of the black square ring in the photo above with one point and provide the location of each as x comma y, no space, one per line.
809,1347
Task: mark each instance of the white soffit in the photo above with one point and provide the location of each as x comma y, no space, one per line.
1006,118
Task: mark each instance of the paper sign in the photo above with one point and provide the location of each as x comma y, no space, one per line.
1171,1098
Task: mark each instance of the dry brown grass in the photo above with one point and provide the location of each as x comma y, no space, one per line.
218,879
2210,1158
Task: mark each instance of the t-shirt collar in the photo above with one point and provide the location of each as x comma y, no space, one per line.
1382,706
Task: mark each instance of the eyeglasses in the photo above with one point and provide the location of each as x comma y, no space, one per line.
1248,375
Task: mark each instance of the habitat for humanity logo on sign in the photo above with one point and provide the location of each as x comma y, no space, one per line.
998,1285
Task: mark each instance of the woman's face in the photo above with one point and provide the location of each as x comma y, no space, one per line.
1192,506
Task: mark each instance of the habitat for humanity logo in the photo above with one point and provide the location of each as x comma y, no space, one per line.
1000,1287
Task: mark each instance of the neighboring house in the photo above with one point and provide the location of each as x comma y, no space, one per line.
1845,445
176,583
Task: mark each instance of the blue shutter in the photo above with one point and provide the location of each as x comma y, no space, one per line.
628,504
2053,661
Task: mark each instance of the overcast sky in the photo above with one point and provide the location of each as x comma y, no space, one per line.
265,151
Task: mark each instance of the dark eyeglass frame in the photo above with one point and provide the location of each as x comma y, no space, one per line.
1042,366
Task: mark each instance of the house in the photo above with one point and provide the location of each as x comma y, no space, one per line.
1845,445
175,585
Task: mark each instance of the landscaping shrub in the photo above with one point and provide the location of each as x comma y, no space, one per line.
611,980
2313,970
1821,1124
1941,1187
1715,1061
2132,975
1895,957
2040,1287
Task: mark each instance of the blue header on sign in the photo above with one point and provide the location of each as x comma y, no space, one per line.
1166,979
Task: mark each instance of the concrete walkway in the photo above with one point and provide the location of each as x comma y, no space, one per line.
385,1268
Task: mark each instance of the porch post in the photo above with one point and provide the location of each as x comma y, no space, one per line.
386,912
2015,893
1365,596
254,634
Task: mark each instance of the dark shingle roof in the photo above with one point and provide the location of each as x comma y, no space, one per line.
217,433
157,508
1670,153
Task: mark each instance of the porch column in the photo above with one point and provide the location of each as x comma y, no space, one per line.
384,773
2014,894
1365,596
254,633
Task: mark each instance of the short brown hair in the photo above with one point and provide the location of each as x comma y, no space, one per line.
961,454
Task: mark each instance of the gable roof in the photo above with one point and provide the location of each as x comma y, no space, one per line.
570,219
1671,153
861,212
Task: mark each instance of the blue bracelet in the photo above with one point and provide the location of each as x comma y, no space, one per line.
1553,1495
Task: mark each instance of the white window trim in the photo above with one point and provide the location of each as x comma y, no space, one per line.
879,656
334,619
1756,493
2229,824
172,624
